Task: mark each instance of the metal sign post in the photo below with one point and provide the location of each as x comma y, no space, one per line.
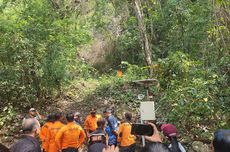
147,108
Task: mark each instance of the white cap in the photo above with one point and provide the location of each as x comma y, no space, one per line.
77,113
32,109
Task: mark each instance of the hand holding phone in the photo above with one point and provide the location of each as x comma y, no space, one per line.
155,137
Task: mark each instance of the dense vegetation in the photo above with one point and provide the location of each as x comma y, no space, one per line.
183,44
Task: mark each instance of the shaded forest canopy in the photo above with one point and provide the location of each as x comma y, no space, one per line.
47,46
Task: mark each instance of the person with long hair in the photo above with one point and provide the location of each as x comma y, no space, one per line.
170,133
155,147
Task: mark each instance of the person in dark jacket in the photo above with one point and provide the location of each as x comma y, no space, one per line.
3,148
28,143
221,141
97,138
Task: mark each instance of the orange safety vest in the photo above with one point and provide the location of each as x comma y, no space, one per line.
71,135
125,138
91,122
43,135
53,130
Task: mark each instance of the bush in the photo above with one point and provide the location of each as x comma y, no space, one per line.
191,94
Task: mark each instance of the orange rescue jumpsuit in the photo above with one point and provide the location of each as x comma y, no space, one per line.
71,135
91,123
43,135
125,138
52,146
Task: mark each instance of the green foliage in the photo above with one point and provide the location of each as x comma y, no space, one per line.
39,40
194,82
175,67
101,18
180,25
192,95
7,115
38,50
128,45
134,72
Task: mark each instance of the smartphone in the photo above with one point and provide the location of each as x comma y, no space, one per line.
142,129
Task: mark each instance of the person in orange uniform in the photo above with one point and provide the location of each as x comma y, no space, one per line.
70,137
52,146
90,124
125,138
44,132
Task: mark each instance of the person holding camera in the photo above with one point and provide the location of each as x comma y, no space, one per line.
154,143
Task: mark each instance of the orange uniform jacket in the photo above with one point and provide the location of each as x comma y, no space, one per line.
125,138
91,122
71,135
44,135
52,146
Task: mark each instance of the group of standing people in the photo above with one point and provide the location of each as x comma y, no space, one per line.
68,134
98,133
103,132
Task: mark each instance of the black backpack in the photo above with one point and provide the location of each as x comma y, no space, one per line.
97,138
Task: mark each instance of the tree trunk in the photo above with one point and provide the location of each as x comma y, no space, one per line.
144,36
152,36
